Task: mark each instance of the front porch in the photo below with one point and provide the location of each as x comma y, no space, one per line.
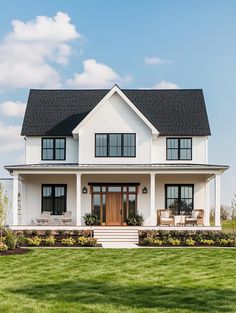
111,193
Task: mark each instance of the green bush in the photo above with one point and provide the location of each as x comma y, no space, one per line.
207,242
50,241
135,219
226,242
48,232
10,240
3,247
20,239
69,241
190,242
148,241
91,219
34,241
61,232
174,241
87,241
157,242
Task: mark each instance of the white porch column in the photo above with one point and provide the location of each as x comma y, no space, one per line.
78,199
152,199
217,199
207,204
15,199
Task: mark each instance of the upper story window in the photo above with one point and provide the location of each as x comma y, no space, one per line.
53,148
179,148
115,145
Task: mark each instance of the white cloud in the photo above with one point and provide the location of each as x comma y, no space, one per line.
165,85
26,52
10,139
95,75
155,61
13,108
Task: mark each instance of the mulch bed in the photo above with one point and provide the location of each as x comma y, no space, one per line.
15,251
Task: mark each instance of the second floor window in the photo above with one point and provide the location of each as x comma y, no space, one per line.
115,145
53,149
179,148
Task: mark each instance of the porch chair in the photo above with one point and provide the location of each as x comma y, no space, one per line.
66,218
165,217
43,220
196,218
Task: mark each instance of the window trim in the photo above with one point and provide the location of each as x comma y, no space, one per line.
179,192
54,149
53,188
179,149
122,145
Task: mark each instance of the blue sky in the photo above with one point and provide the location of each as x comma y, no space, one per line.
192,45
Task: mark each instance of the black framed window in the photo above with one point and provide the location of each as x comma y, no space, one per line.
54,199
179,198
115,145
53,148
179,148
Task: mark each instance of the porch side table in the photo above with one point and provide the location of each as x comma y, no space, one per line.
179,220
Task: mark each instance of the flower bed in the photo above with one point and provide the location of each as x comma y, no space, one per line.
60,238
186,238
13,241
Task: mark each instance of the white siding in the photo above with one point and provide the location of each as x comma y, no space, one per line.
33,194
199,151
33,151
115,116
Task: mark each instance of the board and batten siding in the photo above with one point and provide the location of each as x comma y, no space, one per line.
115,116
33,150
199,150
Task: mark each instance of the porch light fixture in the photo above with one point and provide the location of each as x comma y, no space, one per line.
84,190
145,190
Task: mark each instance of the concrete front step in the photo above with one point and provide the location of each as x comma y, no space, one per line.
116,235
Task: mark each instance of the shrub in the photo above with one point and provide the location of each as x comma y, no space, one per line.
20,239
91,219
69,241
10,240
190,242
34,232
27,232
148,241
207,242
61,232
87,241
34,241
135,219
3,247
226,242
157,242
48,233
174,241
50,241
91,242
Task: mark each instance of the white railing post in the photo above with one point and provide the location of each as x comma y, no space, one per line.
78,199
15,199
152,199
217,199
207,204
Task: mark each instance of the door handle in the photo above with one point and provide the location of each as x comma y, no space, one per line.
120,211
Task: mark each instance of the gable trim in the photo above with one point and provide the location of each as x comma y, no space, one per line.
115,89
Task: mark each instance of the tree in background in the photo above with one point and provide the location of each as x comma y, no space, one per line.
3,210
233,207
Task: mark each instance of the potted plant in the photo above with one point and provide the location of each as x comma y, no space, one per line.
91,219
135,219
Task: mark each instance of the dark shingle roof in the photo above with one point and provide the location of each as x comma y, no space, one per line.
173,112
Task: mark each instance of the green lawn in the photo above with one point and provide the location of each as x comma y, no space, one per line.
135,280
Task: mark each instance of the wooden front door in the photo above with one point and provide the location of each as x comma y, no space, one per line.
113,208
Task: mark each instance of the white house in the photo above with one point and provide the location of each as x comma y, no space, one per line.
109,152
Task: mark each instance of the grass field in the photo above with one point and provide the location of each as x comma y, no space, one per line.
135,280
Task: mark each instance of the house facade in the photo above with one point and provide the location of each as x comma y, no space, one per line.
112,152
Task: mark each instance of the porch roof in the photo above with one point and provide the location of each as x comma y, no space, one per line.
116,167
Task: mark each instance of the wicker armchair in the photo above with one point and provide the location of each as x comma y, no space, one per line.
164,217
197,218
